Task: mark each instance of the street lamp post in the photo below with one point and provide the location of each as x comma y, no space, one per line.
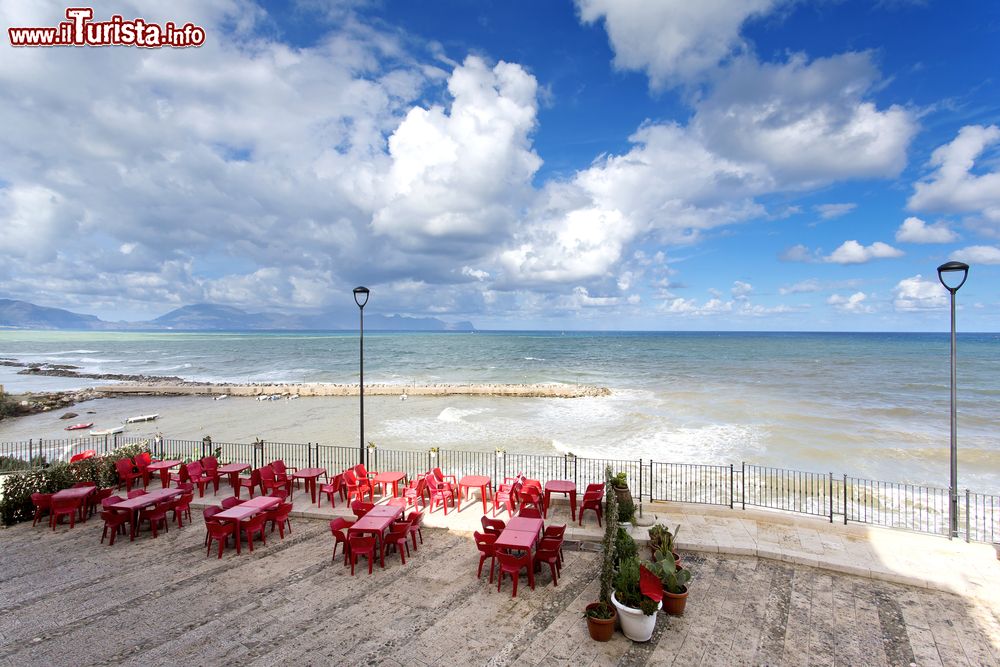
361,298
953,267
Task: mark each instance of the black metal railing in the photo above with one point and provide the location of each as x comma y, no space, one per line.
893,505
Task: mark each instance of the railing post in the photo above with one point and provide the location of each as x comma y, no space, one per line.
731,491
845,499
966,515
309,454
31,456
743,483
831,497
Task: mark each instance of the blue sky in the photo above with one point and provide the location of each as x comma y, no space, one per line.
597,164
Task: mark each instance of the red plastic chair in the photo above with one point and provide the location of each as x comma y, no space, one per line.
338,528
197,474
155,516
142,461
592,501
556,533
361,508
115,520
334,488
493,526
181,477
484,542
281,494
230,502
106,503
126,473
396,537
363,473
529,495
269,481
281,471
207,514
548,552
414,492
98,498
279,517
449,480
416,520
218,530
63,507
182,508
210,470
529,512
252,482
357,488
512,565
82,456
42,503
439,493
506,495
361,546
254,526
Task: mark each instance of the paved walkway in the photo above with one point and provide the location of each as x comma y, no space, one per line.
66,599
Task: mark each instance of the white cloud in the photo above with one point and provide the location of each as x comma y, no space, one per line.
978,254
831,211
797,253
478,274
952,186
854,303
679,306
463,172
673,41
915,230
808,122
852,252
741,290
813,285
916,294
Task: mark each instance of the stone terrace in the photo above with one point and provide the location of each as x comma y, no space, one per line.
66,599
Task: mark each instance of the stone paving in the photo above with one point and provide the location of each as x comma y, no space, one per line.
66,599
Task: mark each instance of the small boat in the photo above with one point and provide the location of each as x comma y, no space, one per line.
292,397
78,427
220,398
109,431
142,418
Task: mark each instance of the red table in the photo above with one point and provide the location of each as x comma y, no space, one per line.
233,470
310,475
79,494
387,478
521,534
164,468
145,500
560,486
247,510
376,521
480,482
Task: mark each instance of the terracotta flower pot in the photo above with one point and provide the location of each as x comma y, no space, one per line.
601,629
674,603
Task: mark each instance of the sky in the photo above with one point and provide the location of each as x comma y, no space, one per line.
567,164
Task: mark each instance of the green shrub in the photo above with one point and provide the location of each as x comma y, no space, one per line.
8,406
17,487
625,546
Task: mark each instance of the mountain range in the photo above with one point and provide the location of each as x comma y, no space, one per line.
210,317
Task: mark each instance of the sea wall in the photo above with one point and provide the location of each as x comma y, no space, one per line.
513,390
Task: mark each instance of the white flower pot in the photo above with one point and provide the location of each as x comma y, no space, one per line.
636,625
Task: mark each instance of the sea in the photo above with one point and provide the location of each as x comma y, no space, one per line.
870,405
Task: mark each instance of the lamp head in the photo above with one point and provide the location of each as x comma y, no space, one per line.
361,296
956,268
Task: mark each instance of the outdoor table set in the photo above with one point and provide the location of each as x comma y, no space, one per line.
246,510
139,502
523,543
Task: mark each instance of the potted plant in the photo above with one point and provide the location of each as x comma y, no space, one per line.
660,536
626,512
619,483
674,579
637,597
601,615
625,546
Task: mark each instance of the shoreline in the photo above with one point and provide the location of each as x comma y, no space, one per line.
322,389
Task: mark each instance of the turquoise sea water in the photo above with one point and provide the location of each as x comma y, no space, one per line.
872,405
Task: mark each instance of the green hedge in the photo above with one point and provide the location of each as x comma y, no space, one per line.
16,504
